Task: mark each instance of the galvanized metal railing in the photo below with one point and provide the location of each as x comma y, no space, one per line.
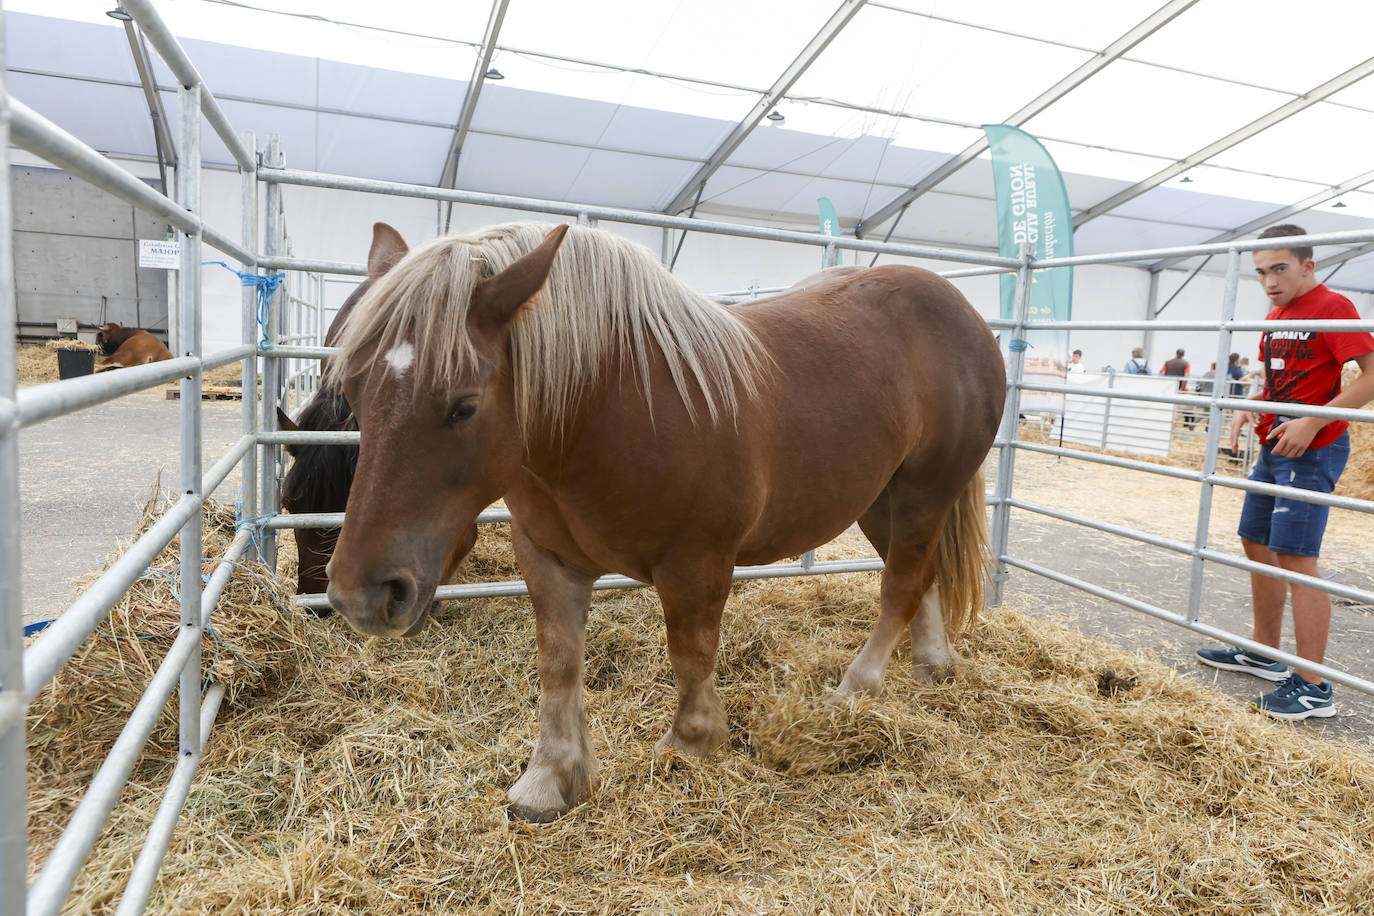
25,672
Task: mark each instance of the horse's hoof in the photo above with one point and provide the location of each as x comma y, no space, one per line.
930,675
516,812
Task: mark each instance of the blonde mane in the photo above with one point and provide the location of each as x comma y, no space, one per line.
605,294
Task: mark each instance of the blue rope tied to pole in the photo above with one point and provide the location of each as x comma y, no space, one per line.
267,287
1018,345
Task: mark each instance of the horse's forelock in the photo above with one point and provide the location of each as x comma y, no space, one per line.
421,301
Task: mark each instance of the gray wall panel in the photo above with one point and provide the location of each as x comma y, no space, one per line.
76,255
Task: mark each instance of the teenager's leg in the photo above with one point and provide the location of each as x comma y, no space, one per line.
1311,612
1268,595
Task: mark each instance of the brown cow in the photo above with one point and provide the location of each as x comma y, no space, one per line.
125,347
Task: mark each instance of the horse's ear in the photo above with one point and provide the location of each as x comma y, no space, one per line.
286,424
387,248
496,299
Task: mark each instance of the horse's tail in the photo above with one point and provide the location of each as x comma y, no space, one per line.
964,559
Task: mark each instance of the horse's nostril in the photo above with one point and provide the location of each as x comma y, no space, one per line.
400,595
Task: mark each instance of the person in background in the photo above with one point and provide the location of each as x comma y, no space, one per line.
1177,366
1203,385
1235,388
1076,363
1137,365
1251,387
1301,367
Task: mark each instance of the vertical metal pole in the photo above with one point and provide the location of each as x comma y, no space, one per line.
1209,457
321,289
188,308
1006,460
1107,411
248,470
665,245
13,787
828,258
269,497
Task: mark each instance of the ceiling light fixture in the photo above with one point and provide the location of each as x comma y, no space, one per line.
494,74
120,13
1185,180
776,116
1339,203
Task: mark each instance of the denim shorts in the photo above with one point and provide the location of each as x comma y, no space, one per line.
1290,525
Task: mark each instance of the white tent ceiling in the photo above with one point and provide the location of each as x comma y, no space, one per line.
633,103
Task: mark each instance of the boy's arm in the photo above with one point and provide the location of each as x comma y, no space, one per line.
1292,438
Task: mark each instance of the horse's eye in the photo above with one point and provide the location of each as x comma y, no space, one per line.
462,409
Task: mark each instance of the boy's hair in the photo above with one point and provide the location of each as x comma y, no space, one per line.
1304,252
1178,354
1077,352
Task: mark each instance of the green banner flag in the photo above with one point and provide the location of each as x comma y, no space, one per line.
830,224
1032,206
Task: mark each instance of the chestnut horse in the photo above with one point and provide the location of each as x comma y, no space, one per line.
633,426
124,347
320,475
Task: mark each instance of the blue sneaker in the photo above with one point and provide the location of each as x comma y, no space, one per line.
1297,698
1241,660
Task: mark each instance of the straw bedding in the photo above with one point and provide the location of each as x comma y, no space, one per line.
1053,774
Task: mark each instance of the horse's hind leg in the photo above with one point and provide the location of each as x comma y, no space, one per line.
693,596
562,769
905,529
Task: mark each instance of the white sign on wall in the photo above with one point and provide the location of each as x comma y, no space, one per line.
159,253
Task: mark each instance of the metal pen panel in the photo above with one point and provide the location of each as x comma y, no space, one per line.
145,870
50,651
1209,457
49,890
13,787
1331,674
269,494
212,478
336,519
1006,458
188,345
56,399
248,473
517,587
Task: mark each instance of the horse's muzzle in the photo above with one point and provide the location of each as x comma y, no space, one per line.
391,605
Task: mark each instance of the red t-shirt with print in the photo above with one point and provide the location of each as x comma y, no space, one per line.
1304,367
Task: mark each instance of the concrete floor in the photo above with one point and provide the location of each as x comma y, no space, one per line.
85,477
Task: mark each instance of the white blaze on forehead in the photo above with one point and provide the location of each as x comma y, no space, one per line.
400,357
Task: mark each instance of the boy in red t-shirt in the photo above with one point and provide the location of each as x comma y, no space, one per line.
1301,367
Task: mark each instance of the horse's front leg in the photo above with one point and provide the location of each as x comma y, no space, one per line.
693,596
562,770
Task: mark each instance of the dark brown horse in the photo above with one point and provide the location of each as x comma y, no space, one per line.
124,347
633,426
320,475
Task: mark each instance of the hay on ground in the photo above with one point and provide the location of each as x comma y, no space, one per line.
36,364
1053,774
